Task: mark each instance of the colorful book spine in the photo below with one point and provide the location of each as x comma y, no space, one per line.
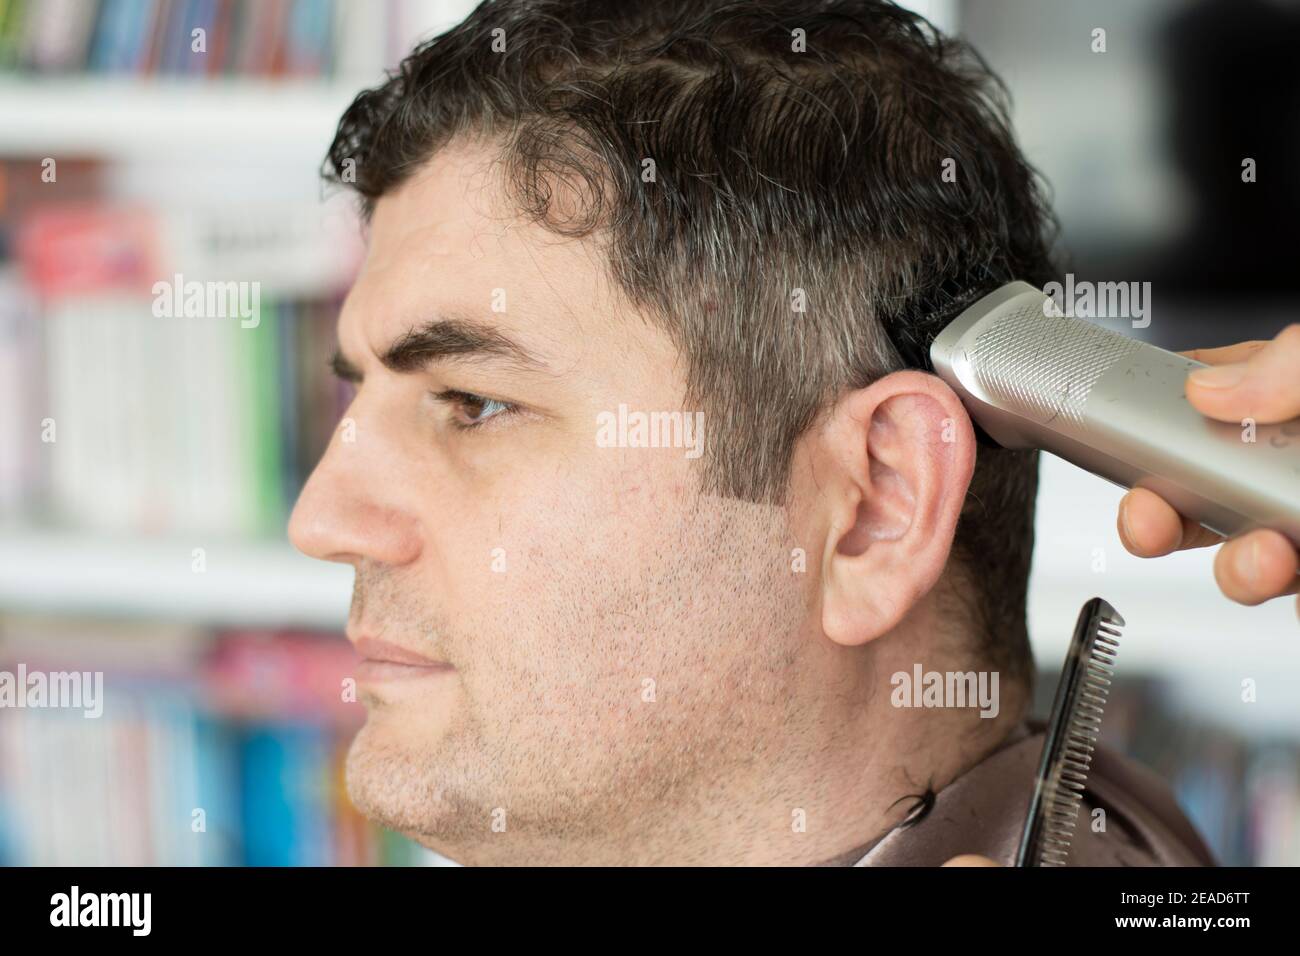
266,38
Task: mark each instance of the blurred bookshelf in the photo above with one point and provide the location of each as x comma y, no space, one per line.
223,667
1178,624
211,747
144,537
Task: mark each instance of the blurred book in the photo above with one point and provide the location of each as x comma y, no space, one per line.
210,749
145,416
216,38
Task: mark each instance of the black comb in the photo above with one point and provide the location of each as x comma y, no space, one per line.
1072,736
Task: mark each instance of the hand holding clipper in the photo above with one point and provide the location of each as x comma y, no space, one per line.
1120,408
1261,380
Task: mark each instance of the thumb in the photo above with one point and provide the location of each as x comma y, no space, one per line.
971,859
1263,385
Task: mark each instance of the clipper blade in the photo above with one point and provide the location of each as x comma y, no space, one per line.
1072,736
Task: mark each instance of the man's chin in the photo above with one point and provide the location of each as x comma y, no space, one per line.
398,785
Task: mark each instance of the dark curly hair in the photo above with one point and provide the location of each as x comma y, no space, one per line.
729,154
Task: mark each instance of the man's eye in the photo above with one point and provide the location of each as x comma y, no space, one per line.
472,411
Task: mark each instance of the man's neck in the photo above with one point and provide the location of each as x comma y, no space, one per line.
824,802
915,806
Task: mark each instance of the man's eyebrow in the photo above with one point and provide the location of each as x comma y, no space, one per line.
343,369
451,337
454,337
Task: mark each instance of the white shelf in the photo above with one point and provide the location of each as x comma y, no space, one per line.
231,120
253,585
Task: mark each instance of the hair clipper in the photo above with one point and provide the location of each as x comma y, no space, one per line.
1116,407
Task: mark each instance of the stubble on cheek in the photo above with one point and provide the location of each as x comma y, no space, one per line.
625,663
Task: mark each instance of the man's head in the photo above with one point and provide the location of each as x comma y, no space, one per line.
581,213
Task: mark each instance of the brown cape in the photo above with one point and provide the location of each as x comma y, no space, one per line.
983,811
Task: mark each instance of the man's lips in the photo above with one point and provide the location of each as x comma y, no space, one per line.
373,649
382,660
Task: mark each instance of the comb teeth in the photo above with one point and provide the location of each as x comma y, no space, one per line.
1073,736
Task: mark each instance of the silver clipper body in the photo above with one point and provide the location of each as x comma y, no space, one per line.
1116,407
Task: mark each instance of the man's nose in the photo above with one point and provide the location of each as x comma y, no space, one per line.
348,512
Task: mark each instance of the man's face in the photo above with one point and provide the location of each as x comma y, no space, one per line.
622,650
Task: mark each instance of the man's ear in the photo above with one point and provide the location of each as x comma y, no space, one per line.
894,463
